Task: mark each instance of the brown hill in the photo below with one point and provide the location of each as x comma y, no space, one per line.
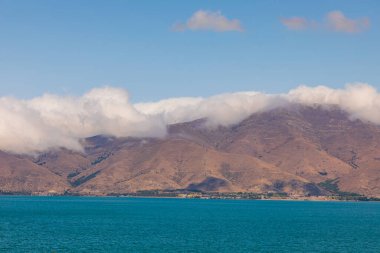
20,175
297,150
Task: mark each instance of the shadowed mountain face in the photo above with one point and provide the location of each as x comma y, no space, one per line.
298,150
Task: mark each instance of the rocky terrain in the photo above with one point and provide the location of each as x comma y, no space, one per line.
295,150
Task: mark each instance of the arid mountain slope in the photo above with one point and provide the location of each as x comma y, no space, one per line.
20,175
297,150
180,164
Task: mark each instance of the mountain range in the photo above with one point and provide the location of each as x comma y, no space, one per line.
296,150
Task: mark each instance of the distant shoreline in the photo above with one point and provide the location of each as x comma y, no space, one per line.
205,196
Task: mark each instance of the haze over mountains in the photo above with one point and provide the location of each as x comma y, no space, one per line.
310,141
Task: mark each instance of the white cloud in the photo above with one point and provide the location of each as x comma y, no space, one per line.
51,121
362,101
223,109
208,20
335,21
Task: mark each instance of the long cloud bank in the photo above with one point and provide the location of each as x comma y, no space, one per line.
51,121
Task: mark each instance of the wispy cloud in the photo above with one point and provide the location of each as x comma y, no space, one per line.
211,21
295,23
337,21
334,21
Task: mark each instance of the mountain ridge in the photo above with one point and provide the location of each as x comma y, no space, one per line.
296,150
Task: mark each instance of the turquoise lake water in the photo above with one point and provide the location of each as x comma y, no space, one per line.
80,224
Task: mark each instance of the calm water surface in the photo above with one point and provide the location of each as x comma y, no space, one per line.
80,224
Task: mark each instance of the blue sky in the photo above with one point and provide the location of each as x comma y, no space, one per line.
68,47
